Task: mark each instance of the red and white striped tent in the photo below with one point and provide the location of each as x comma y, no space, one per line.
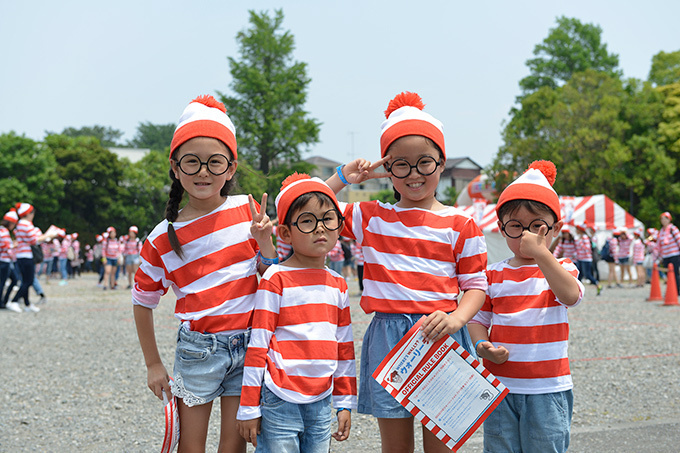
596,211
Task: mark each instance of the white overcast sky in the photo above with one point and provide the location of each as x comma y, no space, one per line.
75,63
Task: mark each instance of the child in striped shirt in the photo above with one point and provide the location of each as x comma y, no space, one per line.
209,252
526,309
300,359
419,255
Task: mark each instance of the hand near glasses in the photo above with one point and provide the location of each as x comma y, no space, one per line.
532,245
360,170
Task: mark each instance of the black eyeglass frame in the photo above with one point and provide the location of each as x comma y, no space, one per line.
389,166
341,220
550,227
201,164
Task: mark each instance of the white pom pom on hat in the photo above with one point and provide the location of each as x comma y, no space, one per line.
405,116
205,117
535,184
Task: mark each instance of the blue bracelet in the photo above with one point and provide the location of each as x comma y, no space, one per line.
343,409
477,344
338,170
267,261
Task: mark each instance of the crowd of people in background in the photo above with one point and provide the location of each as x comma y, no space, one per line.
27,254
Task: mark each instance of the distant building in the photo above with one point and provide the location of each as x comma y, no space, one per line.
132,154
458,173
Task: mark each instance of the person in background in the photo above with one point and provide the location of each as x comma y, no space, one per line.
132,248
639,258
623,255
584,255
668,244
359,259
7,224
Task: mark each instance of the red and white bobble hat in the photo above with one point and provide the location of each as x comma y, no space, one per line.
405,116
205,117
298,184
11,216
134,229
23,209
534,184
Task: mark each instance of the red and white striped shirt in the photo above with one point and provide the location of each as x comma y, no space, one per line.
638,251
336,253
566,249
584,249
283,249
5,245
301,345
668,241
358,254
26,235
415,260
111,248
132,247
623,250
529,321
217,279
63,250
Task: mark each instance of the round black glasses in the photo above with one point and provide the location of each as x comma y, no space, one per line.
307,222
217,164
401,168
514,229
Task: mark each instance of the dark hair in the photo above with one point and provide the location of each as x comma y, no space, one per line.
174,200
302,200
534,207
5,223
397,195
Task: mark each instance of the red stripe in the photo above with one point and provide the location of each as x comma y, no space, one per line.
531,334
530,370
610,223
306,350
304,385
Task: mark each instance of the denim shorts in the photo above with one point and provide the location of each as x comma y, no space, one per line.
131,260
208,366
290,427
383,334
530,423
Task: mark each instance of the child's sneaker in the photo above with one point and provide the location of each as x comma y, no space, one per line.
32,308
599,289
14,307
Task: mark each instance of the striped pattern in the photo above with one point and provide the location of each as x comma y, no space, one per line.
566,249
584,249
623,251
638,251
532,324
415,260
358,254
111,248
216,280
301,344
668,241
132,247
5,245
26,235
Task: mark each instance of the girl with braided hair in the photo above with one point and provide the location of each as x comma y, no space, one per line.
209,251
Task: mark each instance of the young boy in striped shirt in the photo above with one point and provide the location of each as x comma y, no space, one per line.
526,309
300,358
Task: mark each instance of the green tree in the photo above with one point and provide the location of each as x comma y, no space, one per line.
665,68
570,47
107,136
273,129
153,136
28,174
91,175
145,187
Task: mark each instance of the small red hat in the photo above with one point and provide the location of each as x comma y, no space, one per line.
298,184
23,209
405,116
535,184
11,216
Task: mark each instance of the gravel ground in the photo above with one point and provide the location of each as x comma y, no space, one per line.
73,376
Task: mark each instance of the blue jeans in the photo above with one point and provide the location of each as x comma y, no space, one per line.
4,273
530,423
27,270
63,262
289,427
